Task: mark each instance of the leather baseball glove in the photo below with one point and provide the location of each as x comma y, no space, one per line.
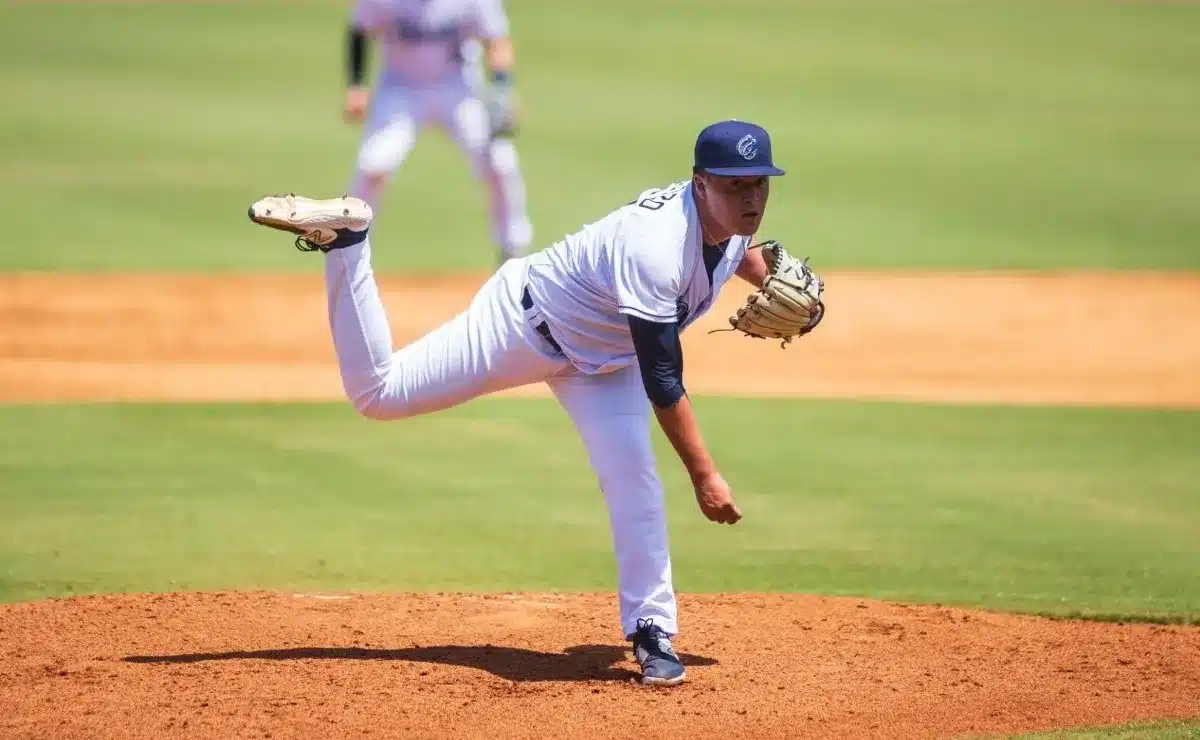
789,304
503,110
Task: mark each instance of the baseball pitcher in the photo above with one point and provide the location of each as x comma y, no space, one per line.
596,316
424,80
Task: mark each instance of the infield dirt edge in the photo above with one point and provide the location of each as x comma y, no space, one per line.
293,664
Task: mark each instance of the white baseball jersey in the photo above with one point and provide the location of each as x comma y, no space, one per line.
644,259
422,39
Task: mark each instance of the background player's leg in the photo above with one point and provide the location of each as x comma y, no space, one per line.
612,415
388,137
488,347
511,228
494,162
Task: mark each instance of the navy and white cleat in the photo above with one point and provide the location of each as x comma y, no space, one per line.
319,225
653,652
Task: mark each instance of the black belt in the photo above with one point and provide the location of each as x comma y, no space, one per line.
542,328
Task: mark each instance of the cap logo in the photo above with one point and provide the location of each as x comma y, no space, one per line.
747,146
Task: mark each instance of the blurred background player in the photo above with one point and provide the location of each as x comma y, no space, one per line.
495,89
424,80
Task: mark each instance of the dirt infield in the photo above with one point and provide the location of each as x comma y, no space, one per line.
293,665
286,665
1121,340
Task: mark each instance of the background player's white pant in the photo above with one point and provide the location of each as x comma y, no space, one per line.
490,346
398,114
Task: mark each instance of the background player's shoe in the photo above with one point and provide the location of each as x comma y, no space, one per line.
653,652
322,225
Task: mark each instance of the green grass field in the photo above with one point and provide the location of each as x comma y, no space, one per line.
1048,511
974,135
1148,731
919,134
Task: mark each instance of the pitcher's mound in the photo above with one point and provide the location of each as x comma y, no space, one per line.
325,665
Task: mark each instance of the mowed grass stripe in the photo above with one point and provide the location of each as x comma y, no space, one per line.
1167,730
1059,511
916,134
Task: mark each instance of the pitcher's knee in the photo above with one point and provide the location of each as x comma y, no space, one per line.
637,482
369,407
374,403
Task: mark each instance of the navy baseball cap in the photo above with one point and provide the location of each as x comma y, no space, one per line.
735,149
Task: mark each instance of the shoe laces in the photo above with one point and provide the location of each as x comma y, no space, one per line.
304,245
653,639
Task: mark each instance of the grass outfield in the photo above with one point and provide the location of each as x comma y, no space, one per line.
1177,730
970,134
1042,510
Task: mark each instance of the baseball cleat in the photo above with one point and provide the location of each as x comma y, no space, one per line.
320,225
653,652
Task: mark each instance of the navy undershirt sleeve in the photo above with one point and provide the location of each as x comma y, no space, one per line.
660,357
356,55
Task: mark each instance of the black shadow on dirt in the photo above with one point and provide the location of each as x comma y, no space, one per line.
578,663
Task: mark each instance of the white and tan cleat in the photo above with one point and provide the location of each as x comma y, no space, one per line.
319,225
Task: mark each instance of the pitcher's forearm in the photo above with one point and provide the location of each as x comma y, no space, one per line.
680,426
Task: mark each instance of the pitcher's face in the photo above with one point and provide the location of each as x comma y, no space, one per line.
737,204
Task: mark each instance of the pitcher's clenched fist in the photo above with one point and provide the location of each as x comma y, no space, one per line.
716,500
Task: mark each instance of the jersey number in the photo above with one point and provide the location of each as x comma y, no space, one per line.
653,200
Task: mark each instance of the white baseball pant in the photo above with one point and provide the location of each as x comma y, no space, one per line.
396,116
492,345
